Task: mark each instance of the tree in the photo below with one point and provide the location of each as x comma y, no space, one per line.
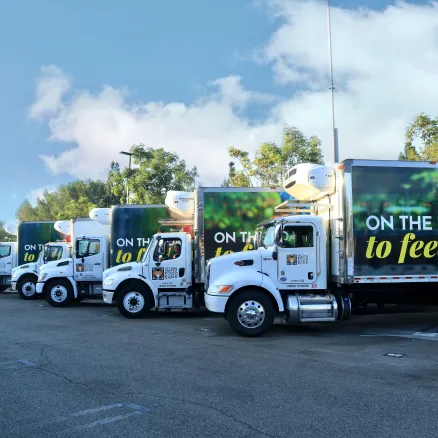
72,200
422,130
4,236
116,183
155,172
271,162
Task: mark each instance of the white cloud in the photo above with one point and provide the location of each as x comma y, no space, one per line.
33,195
51,87
385,66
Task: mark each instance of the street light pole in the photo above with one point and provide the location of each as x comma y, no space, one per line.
127,185
332,88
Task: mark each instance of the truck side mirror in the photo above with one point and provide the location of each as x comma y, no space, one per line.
275,253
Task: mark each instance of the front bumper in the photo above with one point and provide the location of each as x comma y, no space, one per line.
39,288
108,297
215,303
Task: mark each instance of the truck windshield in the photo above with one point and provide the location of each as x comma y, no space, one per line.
148,248
267,237
5,251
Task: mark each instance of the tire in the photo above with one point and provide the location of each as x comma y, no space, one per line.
134,303
26,288
59,293
258,317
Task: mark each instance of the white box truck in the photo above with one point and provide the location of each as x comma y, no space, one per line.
79,275
31,238
372,236
110,237
207,223
24,277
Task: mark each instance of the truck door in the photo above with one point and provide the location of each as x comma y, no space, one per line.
168,264
88,262
297,261
6,257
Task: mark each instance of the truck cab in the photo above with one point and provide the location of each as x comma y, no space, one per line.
161,280
286,274
25,277
8,260
77,277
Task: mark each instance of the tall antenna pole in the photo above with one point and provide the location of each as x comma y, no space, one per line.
332,88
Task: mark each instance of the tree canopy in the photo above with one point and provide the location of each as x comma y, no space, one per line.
72,200
421,139
155,172
271,161
4,236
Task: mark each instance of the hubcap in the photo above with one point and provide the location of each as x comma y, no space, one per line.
28,289
133,302
58,294
251,314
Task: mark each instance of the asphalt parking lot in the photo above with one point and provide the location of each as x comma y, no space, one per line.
87,371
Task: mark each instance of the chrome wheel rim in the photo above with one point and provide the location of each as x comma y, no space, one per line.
58,294
133,302
251,314
28,289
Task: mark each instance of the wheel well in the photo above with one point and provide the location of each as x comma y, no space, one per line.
252,288
133,282
26,276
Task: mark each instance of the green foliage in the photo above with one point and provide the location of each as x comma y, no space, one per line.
155,173
4,236
271,162
238,210
425,130
72,200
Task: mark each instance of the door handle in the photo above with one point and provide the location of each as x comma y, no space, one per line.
96,264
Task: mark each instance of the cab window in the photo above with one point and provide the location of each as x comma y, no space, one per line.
5,251
53,253
88,247
169,249
295,236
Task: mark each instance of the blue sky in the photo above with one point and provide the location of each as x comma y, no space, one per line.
162,51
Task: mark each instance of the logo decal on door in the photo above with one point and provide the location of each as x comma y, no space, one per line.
158,273
80,267
165,273
297,259
291,259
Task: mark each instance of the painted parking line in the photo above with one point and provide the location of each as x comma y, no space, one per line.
136,411
10,364
105,421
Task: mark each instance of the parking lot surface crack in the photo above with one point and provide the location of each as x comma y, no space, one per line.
220,411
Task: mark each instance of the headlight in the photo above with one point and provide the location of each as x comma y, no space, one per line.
108,282
42,276
220,289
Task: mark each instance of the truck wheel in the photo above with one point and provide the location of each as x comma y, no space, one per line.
26,288
250,313
134,303
59,293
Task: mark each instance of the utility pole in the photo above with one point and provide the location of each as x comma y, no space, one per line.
332,88
127,185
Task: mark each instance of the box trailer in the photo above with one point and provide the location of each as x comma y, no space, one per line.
205,224
371,236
